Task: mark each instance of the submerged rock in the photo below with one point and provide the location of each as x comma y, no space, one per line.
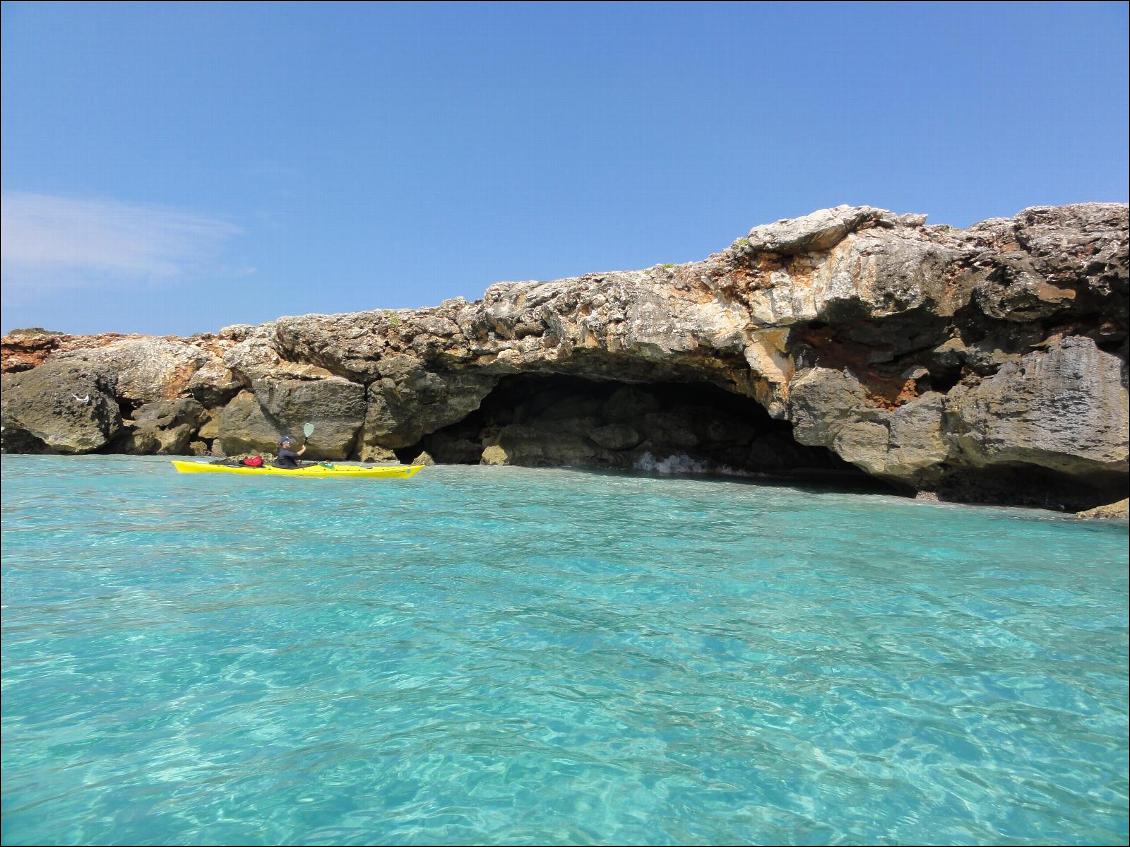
1111,511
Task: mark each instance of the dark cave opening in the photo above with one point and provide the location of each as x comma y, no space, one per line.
666,427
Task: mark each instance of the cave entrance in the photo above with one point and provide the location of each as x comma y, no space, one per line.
556,420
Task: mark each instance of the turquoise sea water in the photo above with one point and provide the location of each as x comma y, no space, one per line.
507,656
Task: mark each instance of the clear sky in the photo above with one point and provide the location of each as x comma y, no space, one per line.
176,168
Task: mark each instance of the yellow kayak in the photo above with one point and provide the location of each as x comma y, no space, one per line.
348,471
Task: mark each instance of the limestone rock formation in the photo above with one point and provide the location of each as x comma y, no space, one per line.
162,427
1063,408
146,369
243,427
335,405
980,364
61,407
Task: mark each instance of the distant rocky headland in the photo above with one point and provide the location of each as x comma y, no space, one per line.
986,364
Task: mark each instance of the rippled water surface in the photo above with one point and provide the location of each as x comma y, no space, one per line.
505,656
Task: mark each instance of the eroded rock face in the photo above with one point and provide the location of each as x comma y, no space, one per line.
243,427
411,402
1064,408
59,407
972,363
162,427
145,369
334,405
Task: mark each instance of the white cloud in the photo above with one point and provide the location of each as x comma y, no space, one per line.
49,241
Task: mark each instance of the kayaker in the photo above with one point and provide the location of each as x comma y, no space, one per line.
287,457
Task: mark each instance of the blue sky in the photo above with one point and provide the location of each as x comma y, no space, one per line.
175,168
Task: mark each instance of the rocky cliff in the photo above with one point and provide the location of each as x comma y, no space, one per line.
988,363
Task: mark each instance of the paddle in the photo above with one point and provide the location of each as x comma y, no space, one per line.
307,431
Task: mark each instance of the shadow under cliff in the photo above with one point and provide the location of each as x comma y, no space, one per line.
663,427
